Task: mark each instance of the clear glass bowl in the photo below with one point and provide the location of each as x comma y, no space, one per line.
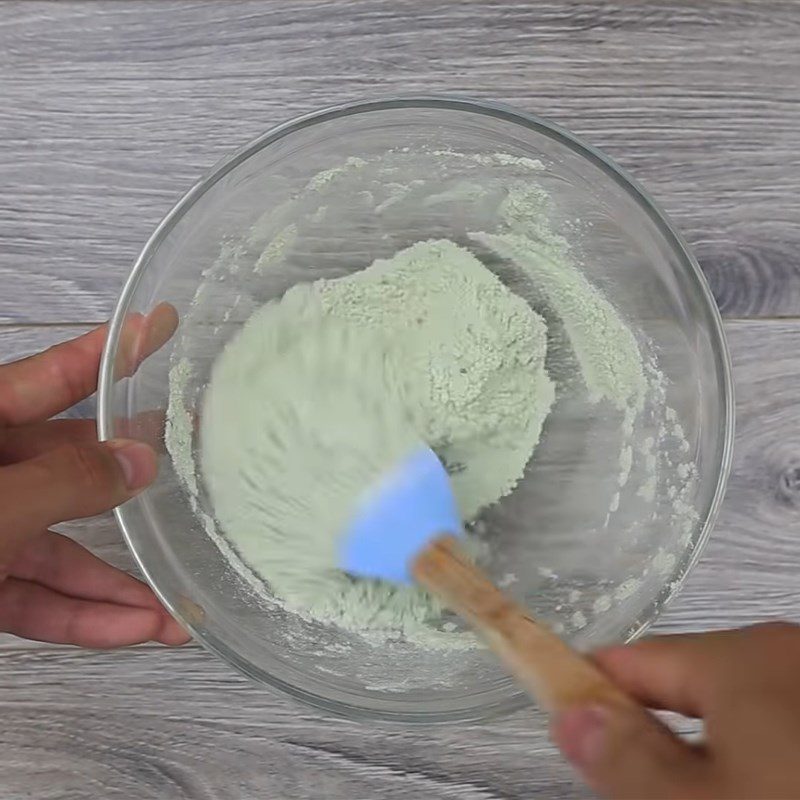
326,194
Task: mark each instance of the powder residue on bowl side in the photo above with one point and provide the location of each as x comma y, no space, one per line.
609,357
179,426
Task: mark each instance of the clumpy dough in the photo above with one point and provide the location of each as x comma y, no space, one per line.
430,338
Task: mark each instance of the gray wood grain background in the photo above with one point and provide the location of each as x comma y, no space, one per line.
109,111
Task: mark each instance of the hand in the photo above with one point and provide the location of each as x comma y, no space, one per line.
744,684
51,588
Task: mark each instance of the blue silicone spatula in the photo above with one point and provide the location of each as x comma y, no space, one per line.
407,528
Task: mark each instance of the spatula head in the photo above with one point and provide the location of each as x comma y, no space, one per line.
409,506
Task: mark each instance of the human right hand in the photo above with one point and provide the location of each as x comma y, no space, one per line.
745,686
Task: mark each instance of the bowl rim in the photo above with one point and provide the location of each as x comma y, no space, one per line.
515,699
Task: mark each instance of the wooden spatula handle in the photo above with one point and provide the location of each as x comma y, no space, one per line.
556,675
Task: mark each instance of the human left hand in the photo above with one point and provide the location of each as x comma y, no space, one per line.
52,470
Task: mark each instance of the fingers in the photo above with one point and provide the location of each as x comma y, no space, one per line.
47,383
57,562
75,480
141,337
28,441
629,754
36,612
677,673
625,754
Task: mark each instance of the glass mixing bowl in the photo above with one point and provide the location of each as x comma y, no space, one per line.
594,554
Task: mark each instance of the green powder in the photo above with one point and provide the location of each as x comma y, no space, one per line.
324,389
277,248
604,347
603,344
469,359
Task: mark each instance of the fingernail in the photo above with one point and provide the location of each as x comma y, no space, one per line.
580,734
137,462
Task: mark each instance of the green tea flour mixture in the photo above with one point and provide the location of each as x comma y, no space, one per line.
430,338
473,348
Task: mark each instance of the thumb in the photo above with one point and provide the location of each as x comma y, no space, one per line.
76,480
625,753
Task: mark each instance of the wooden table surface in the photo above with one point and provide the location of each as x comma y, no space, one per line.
109,111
